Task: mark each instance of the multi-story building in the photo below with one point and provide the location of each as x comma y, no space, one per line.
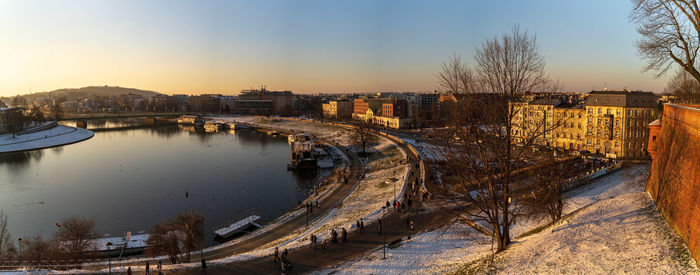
570,131
611,123
339,109
386,111
266,102
617,122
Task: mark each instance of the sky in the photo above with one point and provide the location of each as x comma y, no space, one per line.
304,46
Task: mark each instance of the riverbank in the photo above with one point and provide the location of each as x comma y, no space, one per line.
58,135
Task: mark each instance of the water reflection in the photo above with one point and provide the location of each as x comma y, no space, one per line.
129,180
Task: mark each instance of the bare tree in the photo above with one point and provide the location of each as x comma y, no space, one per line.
164,240
75,234
479,146
669,30
363,133
5,242
684,88
190,224
546,198
181,235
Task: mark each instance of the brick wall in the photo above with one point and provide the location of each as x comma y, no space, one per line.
674,183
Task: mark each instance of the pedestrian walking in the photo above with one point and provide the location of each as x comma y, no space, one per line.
334,236
148,268
344,235
362,225
388,204
379,226
277,255
160,267
204,265
285,253
128,271
357,223
323,246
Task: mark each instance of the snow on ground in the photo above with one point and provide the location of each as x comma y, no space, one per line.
426,150
56,136
616,230
365,201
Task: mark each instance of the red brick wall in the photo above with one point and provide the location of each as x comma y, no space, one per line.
674,183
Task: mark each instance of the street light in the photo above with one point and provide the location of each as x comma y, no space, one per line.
19,240
384,229
109,258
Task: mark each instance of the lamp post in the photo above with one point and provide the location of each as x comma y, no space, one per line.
109,258
19,240
384,229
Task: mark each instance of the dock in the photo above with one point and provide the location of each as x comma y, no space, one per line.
238,226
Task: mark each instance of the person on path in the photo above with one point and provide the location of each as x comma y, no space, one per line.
204,265
148,268
311,239
388,204
358,225
334,236
285,253
128,271
362,225
323,245
379,226
160,267
277,255
344,235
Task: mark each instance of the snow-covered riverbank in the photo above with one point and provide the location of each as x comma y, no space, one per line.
613,228
56,136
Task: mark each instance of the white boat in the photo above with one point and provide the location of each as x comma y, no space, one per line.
238,226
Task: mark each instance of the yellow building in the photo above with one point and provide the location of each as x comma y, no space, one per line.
570,132
338,109
617,122
611,123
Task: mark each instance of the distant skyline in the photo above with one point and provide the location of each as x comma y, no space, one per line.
303,46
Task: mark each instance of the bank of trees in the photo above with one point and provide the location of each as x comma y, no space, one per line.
71,242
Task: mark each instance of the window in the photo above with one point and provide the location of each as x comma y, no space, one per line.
607,111
616,145
617,122
590,131
590,120
600,121
590,111
618,112
588,141
598,132
600,111
597,142
628,123
617,133
629,112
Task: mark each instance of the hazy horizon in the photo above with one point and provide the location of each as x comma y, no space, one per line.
176,47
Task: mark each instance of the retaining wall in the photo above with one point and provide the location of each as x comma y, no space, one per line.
674,182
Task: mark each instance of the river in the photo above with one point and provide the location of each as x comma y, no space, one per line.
129,180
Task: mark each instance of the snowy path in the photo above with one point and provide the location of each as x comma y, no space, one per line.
618,231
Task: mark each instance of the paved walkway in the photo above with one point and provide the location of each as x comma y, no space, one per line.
308,259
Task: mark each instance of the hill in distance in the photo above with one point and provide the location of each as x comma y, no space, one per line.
101,91
85,91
